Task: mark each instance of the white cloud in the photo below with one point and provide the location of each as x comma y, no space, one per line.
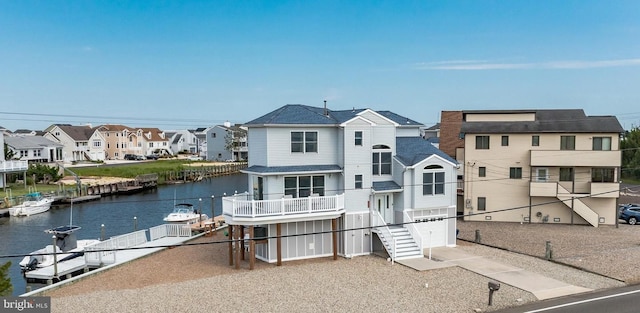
475,65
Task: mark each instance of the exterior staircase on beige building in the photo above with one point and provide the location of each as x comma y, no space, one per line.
578,206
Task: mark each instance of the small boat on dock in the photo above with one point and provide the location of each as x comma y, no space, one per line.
66,248
34,203
185,213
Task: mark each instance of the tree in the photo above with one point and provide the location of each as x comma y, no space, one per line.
231,139
8,153
43,172
630,146
6,288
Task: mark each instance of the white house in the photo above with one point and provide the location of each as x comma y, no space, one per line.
80,143
34,148
327,183
9,166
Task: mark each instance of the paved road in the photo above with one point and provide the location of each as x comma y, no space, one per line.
619,300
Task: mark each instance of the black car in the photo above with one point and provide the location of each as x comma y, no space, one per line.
152,157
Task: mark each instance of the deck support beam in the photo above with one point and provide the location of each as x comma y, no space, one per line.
334,235
237,245
279,243
230,232
252,248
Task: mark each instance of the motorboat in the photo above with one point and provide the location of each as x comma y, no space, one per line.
66,247
185,213
34,203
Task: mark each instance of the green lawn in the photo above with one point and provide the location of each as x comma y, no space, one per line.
129,170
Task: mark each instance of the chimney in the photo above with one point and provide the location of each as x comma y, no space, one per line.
326,113
227,124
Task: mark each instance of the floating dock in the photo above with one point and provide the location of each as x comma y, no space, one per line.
112,252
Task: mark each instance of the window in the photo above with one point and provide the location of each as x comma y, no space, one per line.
567,142
213,135
381,160
433,180
151,145
358,182
24,153
482,171
358,138
535,140
303,186
542,174
515,172
304,141
566,174
482,142
505,141
601,143
482,203
37,153
602,175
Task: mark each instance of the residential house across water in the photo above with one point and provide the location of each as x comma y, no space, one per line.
327,182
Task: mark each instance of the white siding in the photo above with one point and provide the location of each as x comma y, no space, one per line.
257,140
279,148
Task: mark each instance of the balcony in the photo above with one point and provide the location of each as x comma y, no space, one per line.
13,166
240,209
543,189
551,189
575,158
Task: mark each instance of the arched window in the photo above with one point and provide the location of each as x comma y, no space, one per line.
381,160
433,180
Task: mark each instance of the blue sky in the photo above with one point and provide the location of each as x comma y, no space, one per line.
185,64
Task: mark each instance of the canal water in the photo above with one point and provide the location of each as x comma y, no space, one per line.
22,235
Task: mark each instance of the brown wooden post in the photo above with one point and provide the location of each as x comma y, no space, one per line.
334,234
252,248
237,232
279,243
242,243
230,232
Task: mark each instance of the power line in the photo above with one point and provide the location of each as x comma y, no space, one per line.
429,220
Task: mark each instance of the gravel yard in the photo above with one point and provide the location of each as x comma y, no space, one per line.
186,279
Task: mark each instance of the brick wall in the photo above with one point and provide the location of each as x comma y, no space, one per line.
450,123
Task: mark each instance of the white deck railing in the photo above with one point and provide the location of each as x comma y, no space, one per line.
169,230
381,227
239,206
13,166
104,252
413,229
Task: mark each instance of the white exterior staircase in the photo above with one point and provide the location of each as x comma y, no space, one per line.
405,246
578,206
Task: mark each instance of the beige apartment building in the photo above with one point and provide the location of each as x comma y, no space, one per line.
538,166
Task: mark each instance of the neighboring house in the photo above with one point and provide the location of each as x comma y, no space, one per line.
9,166
183,141
33,148
430,132
347,177
80,143
538,166
227,142
153,141
27,132
201,135
119,141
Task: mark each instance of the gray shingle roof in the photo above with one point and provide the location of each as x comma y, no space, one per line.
386,186
29,142
259,169
78,133
547,121
307,115
412,150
